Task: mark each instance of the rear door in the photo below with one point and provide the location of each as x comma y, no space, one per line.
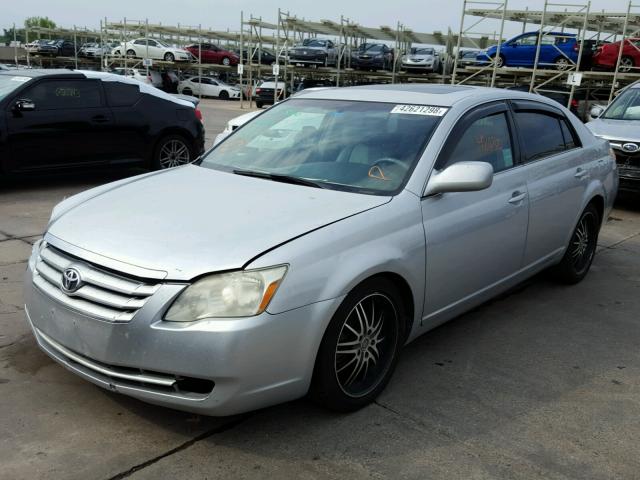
70,125
556,177
475,240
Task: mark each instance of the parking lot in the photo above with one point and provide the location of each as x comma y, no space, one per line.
540,383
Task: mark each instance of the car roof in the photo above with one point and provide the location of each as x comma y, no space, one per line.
41,72
420,94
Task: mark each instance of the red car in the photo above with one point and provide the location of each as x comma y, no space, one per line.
606,56
213,54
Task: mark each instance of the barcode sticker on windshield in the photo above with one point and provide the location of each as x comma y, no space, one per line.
20,79
420,110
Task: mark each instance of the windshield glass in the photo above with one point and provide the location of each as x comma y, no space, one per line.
161,43
626,106
422,51
366,147
312,42
8,83
370,47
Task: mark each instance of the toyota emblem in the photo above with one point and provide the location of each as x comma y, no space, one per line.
630,147
71,280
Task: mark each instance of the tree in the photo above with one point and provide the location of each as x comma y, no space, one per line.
42,22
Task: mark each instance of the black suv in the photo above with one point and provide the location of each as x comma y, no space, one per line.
59,119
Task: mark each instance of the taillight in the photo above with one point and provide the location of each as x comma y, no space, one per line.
576,47
574,103
198,114
258,90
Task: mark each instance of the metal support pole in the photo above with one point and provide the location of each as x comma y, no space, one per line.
15,45
622,42
458,43
146,42
495,61
242,62
275,90
75,46
583,33
537,57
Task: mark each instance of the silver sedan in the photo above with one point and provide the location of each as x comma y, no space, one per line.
303,251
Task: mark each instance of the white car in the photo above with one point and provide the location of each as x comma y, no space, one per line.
154,78
152,48
235,123
32,47
208,87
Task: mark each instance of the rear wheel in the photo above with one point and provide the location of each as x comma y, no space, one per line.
360,347
224,95
562,63
626,64
582,248
172,151
259,104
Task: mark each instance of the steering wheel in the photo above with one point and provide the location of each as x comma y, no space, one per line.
393,161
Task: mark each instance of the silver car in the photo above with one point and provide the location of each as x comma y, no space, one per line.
425,59
619,123
303,251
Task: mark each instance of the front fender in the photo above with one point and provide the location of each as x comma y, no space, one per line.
328,263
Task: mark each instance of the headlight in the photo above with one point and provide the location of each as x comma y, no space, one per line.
234,294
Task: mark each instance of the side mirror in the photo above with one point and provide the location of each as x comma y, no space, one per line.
596,111
24,105
461,177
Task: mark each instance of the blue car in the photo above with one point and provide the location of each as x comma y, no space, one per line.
559,50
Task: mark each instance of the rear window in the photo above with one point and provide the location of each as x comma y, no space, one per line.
548,138
121,94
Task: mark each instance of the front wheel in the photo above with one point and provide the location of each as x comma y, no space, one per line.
224,95
131,53
169,57
562,63
172,151
226,61
626,64
499,61
582,248
360,347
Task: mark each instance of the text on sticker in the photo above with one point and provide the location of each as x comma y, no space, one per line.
420,110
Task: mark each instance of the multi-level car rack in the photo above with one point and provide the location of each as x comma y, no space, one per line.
482,24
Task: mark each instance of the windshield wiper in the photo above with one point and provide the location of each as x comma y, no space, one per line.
277,177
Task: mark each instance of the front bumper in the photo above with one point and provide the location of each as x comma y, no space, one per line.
250,362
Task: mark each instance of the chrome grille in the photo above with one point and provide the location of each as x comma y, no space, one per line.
102,294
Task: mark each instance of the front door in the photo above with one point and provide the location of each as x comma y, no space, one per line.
70,125
475,240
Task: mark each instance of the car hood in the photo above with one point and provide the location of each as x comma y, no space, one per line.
421,56
192,220
615,129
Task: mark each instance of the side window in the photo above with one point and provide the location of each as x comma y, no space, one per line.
528,40
139,42
195,80
121,94
152,43
570,138
486,140
63,94
546,141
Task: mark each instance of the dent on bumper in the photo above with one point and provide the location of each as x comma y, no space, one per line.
254,362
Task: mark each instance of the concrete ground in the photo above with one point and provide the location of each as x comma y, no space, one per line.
542,383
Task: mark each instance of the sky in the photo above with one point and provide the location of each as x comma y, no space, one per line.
420,16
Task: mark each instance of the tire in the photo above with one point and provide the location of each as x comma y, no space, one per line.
131,53
581,250
259,104
172,151
626,64
562,63
500,61
225,61
169,57
223,95
357,334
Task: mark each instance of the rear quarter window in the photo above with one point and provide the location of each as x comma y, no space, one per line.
121,94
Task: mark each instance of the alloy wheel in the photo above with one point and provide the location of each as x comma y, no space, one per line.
366,343
174,153
626,64
562,63
583,243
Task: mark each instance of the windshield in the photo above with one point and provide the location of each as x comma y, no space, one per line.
9,83
370,48
422,51
626,106
312,42
366,147
162,44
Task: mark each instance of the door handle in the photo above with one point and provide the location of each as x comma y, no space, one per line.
100,119
581,173
517,197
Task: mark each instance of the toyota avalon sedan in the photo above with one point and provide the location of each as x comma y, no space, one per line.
302,252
